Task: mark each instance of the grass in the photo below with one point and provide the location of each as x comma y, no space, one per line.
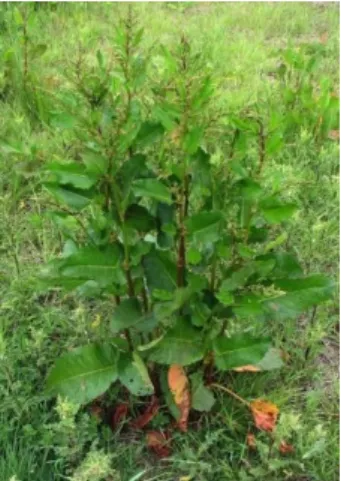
239,42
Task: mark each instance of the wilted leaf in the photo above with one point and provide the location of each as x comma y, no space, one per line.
179,386
147,416
265,414
159,443
286,448
247,368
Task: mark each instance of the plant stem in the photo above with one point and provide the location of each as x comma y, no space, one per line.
213,272
261,146
231,393
183,208
145,299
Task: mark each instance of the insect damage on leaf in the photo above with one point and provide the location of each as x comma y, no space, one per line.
265,414
179,386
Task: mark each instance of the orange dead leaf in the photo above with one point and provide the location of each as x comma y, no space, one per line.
265,414
179,386
247,368
159,443
148,414
286,448
251,440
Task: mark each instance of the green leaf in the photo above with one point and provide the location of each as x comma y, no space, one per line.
38,50
182,344
202,398
237,279
95,162
72,173
200,314
204,227
192,140
160,271
138,217
149,133
90,263
275,211
239,350
301,295
271,360
286,265
193,256
84,373
224,296
75,198
129,314
62,120
18,18
249,189
133,374
152,188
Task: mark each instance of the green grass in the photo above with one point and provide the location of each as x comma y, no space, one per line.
239,42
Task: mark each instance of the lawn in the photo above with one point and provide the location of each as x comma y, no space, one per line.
242,46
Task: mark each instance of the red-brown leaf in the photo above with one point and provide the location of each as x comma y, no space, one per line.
159,443
251,440
96,411
265,414
286,448
179,386
120,413
334,134
148,414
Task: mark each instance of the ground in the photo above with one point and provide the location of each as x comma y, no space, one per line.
37,442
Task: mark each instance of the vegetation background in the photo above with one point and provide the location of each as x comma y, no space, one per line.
240,43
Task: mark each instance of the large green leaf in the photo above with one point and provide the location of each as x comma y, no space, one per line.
249,189
302,293
153,189
90,263
71,173
239,350
202,398
149,133
160,271
181,344
129,314
138,217
286,265
237,279
133,374
75,198
204,227
275,211
84,373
